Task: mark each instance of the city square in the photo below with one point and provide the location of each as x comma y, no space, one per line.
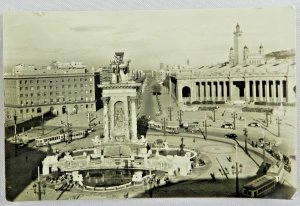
118,131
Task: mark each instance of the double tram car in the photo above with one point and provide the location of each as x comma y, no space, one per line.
260,186
170,128
43,141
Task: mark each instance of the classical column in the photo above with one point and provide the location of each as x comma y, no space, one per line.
111,125
260,91
213,91
267,91
105,118
274,89
247,91
219,91
133,121
231,90
280,94
201,92
254,90
225,90
206,91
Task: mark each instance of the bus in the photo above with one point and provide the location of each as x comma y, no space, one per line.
171,127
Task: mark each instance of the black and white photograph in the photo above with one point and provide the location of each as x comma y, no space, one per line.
190,103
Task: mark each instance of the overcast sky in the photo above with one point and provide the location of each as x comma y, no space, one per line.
147,37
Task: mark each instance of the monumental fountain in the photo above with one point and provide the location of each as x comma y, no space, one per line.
119,149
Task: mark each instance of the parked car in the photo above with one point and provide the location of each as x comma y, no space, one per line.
231,136
227,126
253,124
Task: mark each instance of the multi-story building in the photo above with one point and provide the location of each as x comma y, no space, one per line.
251,79
58,88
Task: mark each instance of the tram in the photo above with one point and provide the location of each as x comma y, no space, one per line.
170,128
260,186
43,141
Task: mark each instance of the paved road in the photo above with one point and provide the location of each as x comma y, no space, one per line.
148,106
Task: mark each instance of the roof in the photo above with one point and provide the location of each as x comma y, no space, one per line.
259,182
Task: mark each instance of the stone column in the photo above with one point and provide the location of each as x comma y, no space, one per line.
260,91
254,90
105,118
247,90
213,91
206,91
111,126
231,90
225,90
274,89
280,94
126,114
201,92
219,91
133,121
267,91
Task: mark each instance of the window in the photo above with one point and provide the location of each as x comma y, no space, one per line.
31,94
21,95
45,87
26,95
20,81
38,87
50,81
26,88
27,110
31,88
37,81
21,111
62,86
25,81
75,85
50,87
62,80
31,81
21,88
32,110
44,94
81,85
86,106
38,94
51,93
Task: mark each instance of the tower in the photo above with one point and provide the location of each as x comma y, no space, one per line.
231,57
261,50
245,55
238,50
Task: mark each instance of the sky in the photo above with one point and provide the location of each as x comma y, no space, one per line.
147,37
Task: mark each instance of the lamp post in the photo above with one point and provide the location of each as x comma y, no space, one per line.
43,129
39,188
278,120
15,127
236,170
234,117
205,127
264,151
180,113
246,137
170,109
163,122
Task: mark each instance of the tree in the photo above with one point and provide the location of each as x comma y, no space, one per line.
156,88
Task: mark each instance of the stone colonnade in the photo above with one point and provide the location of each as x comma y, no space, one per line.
233,89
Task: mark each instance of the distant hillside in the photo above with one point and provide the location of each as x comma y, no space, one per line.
283,54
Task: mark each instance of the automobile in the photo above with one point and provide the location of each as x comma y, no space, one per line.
90,130
230,136
158,142
253,124
227,126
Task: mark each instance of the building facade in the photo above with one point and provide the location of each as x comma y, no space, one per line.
29,91
246,77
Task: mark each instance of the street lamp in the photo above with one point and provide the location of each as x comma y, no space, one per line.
246,137
163,122
180,113
39,188
170,109
205,127
234,117
15,121
236,170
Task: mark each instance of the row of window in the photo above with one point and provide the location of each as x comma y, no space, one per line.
57,80
51,87
58,100
271,185
56,93
38,110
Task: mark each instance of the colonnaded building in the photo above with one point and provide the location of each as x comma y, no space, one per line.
248,77
60,87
